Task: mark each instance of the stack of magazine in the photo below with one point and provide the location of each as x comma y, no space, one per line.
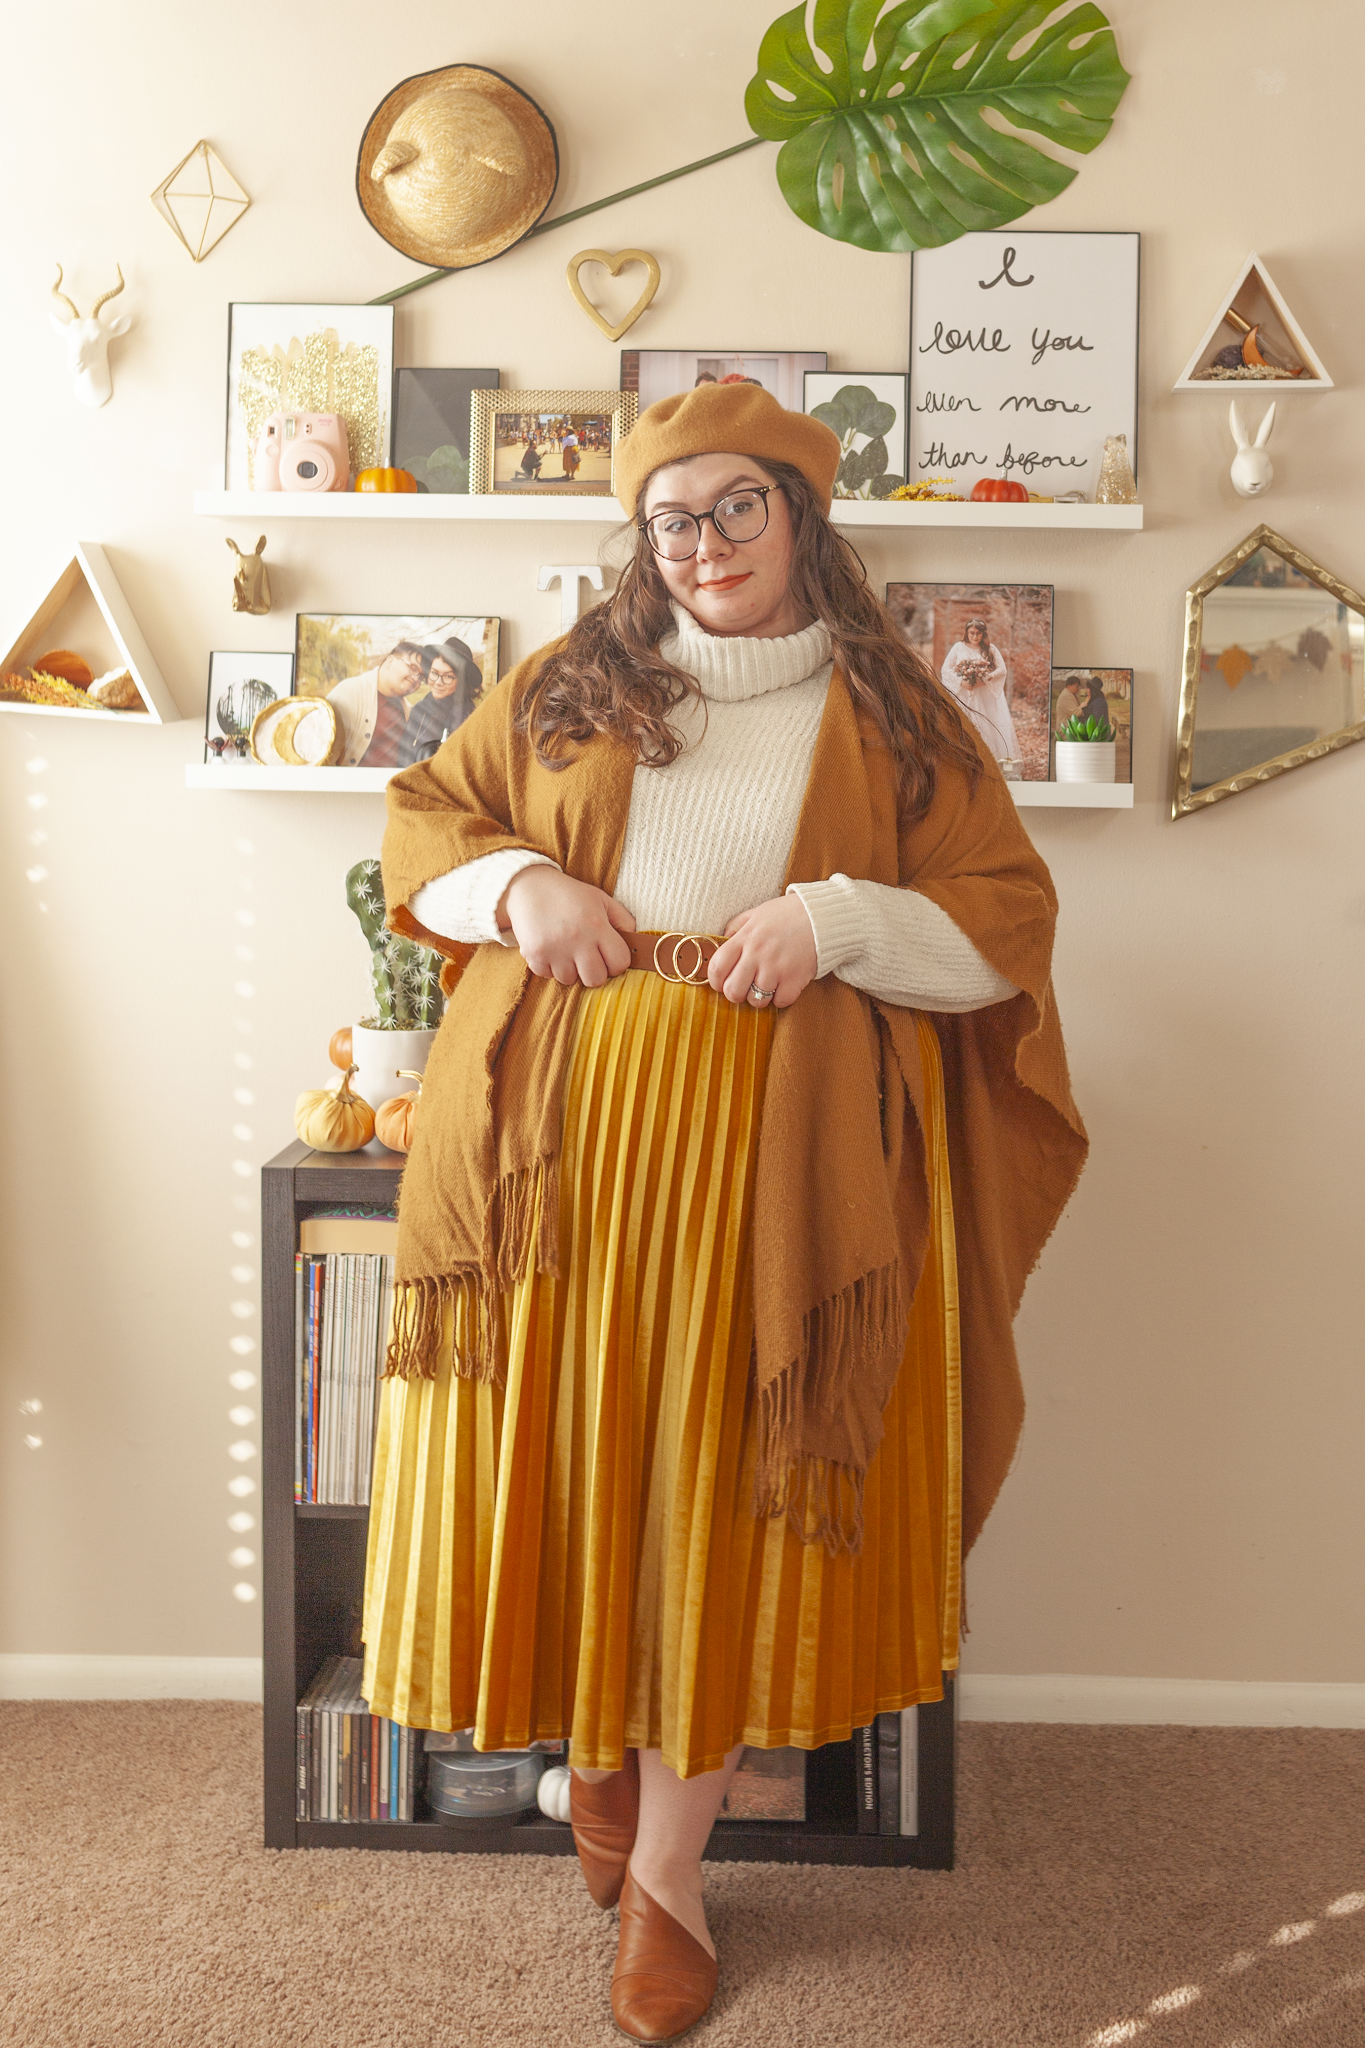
343,1301
352,1764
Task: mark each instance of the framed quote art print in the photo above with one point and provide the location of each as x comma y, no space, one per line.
547,443
1023,359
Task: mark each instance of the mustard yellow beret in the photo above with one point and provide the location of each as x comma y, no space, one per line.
725,419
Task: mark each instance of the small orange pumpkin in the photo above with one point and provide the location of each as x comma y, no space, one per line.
394,1121
339,1051
66,666
386,480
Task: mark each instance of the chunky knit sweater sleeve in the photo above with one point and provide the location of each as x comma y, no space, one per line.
897,945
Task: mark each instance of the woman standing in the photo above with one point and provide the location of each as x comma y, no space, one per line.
674,1454
975,672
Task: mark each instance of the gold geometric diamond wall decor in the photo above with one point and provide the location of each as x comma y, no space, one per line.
200,200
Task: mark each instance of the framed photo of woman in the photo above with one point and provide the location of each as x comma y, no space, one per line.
990,645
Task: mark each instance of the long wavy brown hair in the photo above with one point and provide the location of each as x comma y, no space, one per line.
609,676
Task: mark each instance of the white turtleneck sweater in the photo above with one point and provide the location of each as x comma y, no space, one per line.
710,835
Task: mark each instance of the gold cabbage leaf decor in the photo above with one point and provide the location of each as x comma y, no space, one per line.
905,131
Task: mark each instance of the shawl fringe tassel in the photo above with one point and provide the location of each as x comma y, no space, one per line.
522,1225
822,1498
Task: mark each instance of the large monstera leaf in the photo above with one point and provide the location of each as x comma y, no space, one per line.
887,142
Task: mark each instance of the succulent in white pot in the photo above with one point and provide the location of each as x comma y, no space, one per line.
393,1043
1087,750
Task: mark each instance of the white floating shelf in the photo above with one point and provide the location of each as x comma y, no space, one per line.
576,511
248,505
1094,518
320,781
75,711
1098,796
1074,796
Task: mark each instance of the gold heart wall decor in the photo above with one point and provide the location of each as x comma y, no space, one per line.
615,265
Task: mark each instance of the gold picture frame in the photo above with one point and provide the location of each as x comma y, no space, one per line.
1187,797
544,468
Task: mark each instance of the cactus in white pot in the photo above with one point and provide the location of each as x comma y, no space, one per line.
408,1002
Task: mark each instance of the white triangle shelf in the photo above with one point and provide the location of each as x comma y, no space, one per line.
89,566
1260,302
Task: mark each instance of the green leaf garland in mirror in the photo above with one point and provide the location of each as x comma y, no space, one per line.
889,126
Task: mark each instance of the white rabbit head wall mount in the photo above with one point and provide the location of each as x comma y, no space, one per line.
1252,472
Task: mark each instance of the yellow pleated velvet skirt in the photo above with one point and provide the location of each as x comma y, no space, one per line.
573,1552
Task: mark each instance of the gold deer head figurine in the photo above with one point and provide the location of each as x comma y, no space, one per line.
250,583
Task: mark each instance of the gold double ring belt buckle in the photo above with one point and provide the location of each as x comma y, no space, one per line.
693,974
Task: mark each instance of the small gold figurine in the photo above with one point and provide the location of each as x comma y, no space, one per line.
250,583
1116,485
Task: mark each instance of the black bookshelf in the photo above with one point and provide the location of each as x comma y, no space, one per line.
314,1582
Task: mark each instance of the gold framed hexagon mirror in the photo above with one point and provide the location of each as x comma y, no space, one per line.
1274,670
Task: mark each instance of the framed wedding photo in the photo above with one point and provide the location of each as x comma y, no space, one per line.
398,683
990,645
431,425
308,359
559,444
866,409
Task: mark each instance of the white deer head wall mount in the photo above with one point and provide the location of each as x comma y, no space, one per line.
87,343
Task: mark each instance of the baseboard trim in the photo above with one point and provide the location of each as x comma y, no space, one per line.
982,1696
129,1678
1182,1702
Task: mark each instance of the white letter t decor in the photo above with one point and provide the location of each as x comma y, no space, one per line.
569,576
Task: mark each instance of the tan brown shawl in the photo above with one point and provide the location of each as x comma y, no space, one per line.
841,1203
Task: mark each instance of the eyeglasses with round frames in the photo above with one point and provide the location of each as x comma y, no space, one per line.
738,516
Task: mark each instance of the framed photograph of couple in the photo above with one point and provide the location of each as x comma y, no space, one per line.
1104,694
396,684
547,443
990,645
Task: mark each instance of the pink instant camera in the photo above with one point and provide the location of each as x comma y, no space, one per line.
303,451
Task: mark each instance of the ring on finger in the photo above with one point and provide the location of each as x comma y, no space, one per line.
760,995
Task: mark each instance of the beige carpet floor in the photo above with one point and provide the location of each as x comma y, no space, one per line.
1188,1888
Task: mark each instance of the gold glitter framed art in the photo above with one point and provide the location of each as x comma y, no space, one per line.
296,359
548,444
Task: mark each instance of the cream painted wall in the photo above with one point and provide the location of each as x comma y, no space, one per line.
1187,1502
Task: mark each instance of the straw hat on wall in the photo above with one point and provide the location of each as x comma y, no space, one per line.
456,165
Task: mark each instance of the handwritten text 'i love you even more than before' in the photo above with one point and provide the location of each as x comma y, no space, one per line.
1023,358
